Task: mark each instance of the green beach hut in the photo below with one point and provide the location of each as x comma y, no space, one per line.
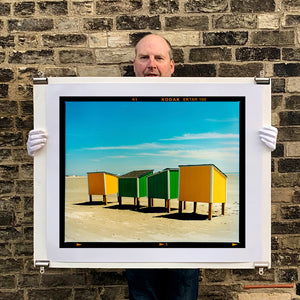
133,184
163,185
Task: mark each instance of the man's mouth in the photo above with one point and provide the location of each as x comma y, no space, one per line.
151,75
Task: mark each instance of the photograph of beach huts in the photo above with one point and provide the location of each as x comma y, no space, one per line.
152,171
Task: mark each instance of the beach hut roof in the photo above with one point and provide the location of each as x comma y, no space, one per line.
164,170
103,172
136,174
204,165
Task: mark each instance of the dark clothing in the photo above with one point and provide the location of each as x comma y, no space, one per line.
163,284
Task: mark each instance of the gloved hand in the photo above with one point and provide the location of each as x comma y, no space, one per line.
37,139
268,135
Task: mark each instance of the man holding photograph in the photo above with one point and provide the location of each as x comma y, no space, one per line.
154,58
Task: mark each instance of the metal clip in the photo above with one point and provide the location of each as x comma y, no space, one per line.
40,80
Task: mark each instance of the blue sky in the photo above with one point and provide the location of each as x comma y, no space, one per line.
119,137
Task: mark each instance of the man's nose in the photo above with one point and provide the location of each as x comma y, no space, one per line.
151,62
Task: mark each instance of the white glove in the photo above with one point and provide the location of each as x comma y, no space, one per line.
268,135
37,139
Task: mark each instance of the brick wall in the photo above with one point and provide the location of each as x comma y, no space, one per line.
95,38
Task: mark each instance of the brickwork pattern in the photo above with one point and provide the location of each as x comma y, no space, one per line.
43,38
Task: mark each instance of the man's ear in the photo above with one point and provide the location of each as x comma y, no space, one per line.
172,66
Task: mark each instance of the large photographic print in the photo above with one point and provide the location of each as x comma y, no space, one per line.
152,171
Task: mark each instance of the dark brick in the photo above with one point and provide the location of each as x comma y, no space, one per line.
6,75
206,6
5,154
55,8
234,21
6,187
86,294
7,234
273,38
7,218
288,165
290,212
8,139
287,275
245,70
116,6
57,280
53,294
108,278
276,101
98,24
293,102
298,289
8,172
289,134
128,71
209,54
24,9
30,25
24,123
296,197
76,56
219,292
198,70
278,85
28,280
28,203
8,107
24,186
28,233
64,40
134,38
289,118
291,4
215,275
287,70
225,38
7,41
252,6
164,6
285,259
291,54
11,265
257,54
11,203
187,23
28,73
4,9
23,249
114,292
6,123
279,151
7,282
253,276
32,57
21,155
178,55
138,22
292,20
286,227
12,295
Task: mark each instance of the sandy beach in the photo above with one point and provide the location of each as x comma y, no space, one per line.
94,221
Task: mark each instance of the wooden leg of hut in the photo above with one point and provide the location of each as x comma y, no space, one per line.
180,207
105,199
195,207
149,202
120,200
184,202
138,202
223,208
168,206
152,202
91,198
210,211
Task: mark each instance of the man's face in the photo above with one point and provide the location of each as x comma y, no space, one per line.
152,58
